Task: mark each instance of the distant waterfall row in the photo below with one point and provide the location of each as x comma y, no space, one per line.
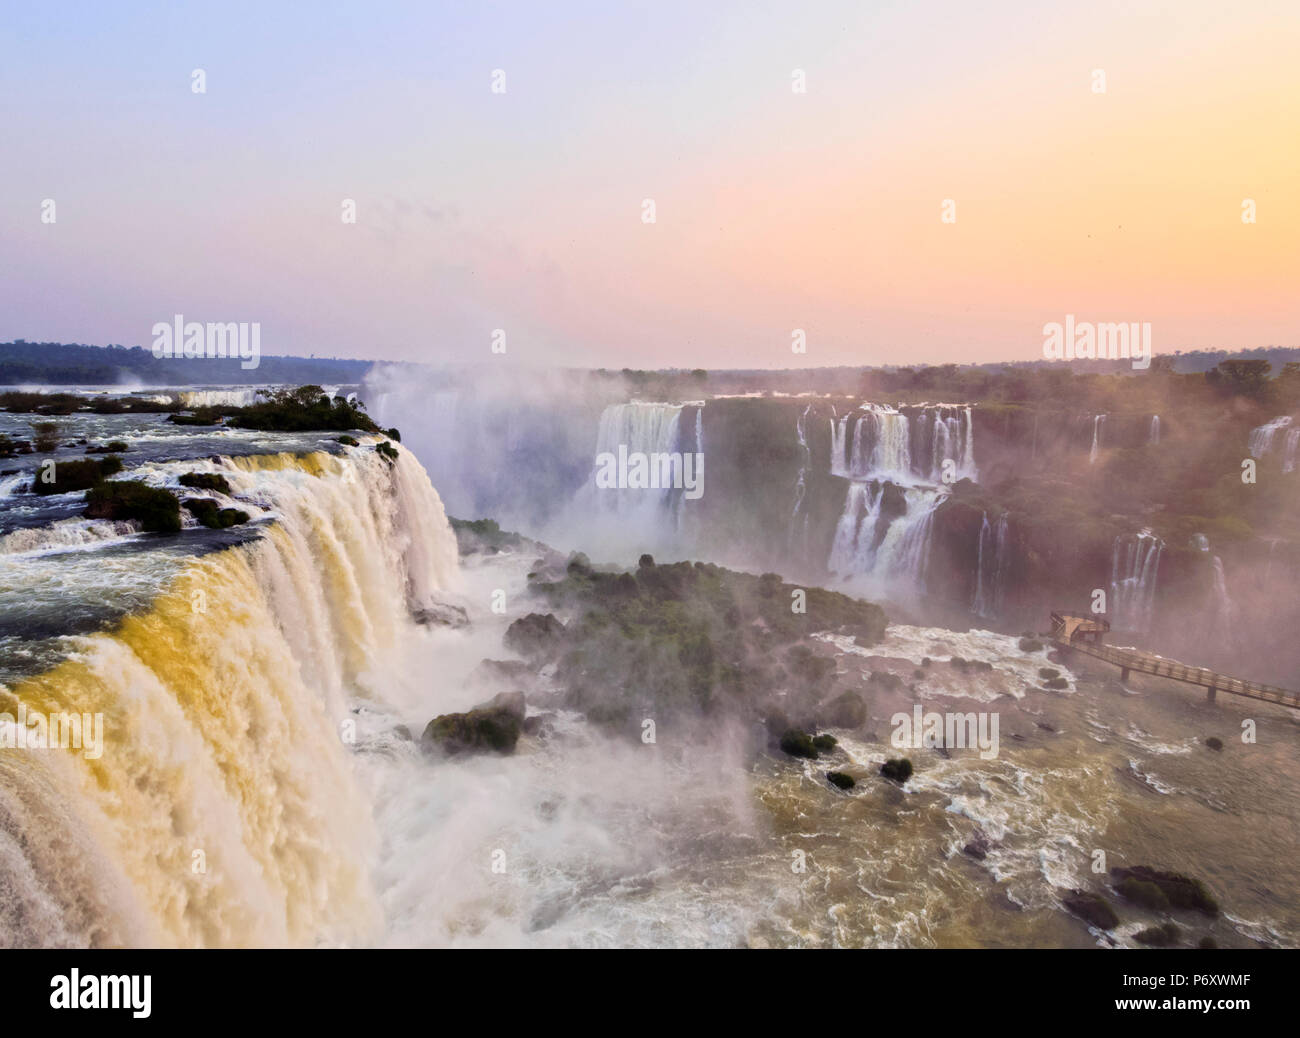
880,442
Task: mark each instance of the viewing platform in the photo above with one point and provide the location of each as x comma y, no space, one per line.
1084,634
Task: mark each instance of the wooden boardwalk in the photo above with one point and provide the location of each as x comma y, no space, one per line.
1083,634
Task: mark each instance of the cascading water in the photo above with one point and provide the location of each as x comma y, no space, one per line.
1153,437
1097,422
225,809
895,469
1135,565
798,517
875,441
990,568
1262,437
1220,610
647,517
1289,454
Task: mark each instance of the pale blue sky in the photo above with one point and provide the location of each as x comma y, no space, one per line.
522,211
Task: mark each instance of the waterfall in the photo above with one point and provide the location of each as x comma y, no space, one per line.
990,568
1221,607
1097,422
1153,437
218,397
648,518
798,518
1135,563
896,549
895,463
1289,455
226,809
1261,437
885,444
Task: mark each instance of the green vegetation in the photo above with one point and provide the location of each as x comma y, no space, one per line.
205,481
840,780
1214,743
1174,888
494,726
899,769
1159,936
798,744
349,441
212,515
71,476
472,534
387,451
45,436
156,509
1143,893
1092,909
305,409
686,637
66,364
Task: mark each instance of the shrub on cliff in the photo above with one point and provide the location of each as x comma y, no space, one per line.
840,780
212,515
205,481
305,409
157,510
70,476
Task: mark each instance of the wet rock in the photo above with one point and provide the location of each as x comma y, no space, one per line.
1159,936
897,769
492,726
502,670
536,634
441,614
978,847
798,744
1044,726
1178,890
846,711
1214,743
542,724
1030,645
1092,909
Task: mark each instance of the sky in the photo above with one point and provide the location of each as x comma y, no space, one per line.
774,209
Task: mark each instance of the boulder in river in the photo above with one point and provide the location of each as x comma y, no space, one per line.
536,634
1092,909
492,726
